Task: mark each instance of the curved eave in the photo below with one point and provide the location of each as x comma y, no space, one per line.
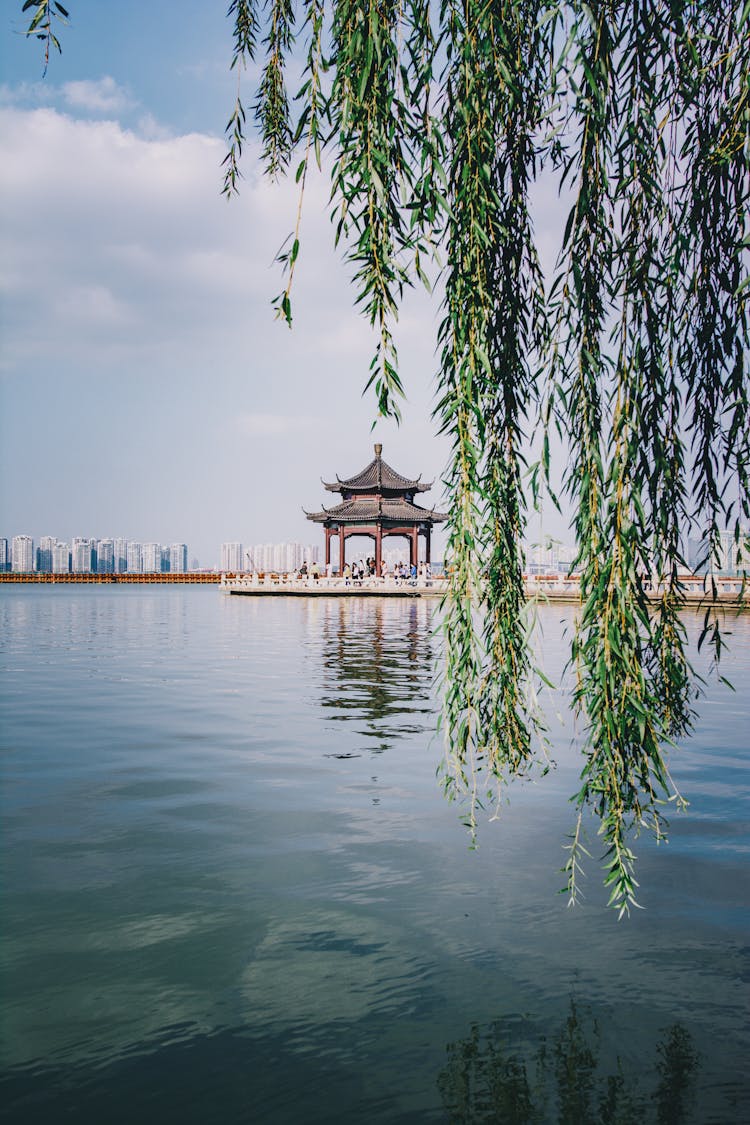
378,476
365,489
420,516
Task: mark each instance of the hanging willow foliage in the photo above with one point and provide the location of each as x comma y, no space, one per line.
440,118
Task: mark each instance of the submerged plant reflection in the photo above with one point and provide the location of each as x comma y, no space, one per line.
563,1080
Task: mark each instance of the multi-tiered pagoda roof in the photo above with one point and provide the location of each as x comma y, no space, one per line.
377,501
377,493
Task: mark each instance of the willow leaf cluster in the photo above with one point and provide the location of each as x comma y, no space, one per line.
444,121
43,16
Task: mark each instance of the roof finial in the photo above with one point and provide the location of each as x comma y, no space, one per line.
378,449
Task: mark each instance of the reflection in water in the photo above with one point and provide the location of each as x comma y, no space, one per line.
233,1075
564,1080
378,666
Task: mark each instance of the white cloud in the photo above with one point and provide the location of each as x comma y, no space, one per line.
137,297
26,93
101,96
93,305
101,208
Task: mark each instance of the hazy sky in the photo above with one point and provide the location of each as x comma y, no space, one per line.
146,388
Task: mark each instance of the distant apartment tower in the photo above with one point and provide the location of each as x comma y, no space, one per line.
60,558
22,554
151,558
285,558
265,556
4,555
395,556
256,557
134,558
734,553
178,554
728,557
105,556
121,556
44,554
232,558
81,555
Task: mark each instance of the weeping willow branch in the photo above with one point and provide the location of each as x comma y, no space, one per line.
442,118
246,27
44,13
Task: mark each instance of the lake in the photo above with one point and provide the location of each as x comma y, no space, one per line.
234,892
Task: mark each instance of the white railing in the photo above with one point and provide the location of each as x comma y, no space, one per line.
695,587
336,582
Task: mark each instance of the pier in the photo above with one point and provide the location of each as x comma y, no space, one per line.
542,587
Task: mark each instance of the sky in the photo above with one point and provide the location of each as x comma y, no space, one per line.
146,388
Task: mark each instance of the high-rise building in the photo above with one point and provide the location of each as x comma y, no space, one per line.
105,556
44,554
178,554
743,555
151,558
81,556
60,558
121,556
22,554
395,556
284,558
232,558
549,556
134,558
277,556
695,555
4,555
728,557
287,558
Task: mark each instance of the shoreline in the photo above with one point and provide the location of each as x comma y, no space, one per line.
539,588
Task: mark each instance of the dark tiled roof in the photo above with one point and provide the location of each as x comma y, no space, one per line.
369,511
378,476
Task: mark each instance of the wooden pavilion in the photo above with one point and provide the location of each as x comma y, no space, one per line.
377,502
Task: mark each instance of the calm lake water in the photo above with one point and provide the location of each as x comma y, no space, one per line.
233,891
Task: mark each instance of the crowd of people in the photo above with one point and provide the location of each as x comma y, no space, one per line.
358,572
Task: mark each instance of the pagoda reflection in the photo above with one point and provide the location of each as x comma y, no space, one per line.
378,666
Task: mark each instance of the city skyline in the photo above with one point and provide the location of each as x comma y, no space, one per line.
22,553
91,555
110,555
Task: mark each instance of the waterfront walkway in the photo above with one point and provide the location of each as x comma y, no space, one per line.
544,587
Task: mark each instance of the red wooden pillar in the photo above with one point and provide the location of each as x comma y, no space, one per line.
341,548
427,546
414,546
328,546
378,549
